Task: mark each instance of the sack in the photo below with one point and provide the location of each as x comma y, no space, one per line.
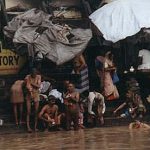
115,77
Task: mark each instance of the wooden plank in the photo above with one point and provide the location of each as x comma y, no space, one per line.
61,3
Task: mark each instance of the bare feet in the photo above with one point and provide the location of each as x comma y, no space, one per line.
102,121
21,122
82,126
36,130
30,130
17,124
76,129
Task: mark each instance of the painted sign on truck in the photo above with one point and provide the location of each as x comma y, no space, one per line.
10,62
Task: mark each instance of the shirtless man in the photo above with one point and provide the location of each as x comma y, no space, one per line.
79,63
49,113
133,106
71,99
33,82
138,125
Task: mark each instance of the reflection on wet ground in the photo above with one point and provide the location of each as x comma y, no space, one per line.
114,138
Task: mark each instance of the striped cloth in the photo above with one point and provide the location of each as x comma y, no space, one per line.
83,81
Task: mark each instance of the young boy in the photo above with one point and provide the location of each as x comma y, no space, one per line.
49,113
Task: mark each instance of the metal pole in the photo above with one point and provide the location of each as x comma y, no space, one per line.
3,10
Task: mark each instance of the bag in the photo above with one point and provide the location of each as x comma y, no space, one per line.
115,77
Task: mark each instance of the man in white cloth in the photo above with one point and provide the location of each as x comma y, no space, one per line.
45,85
57,94
145,55
101,104
44,88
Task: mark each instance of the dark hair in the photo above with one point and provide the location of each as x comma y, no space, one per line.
51,97
138,119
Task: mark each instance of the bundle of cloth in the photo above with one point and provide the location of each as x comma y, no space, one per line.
58,43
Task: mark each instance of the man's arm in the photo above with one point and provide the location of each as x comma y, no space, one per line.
90,102
37,85
104,107
82,61
42,113
98,74
56,113
76,98
110,69
146,126
28,84
131,126
120,107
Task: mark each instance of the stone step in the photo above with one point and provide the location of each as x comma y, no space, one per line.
10,117
11,128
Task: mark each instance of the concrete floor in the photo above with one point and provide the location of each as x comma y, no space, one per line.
112,138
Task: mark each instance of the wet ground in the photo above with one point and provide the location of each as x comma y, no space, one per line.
109,138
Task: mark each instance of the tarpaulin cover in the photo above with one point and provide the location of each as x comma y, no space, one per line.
55,42
122,18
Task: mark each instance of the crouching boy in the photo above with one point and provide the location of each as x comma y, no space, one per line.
49,114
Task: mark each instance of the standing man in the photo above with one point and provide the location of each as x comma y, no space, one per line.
71,100
81,68
105,68
17,99
33,82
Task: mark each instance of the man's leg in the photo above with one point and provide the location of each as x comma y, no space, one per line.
48,118
68,120
36,115
100,114
28,115
46,123
21,112
15,113
102,120
81,117
75,117
58,121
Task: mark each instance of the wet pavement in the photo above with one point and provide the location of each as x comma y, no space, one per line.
109,138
